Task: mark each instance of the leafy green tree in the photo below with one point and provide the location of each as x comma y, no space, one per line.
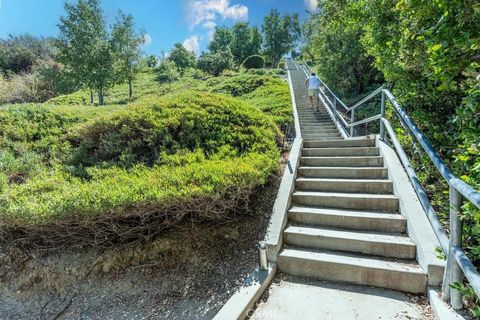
126,43
222,38
183,58
84,46
151,61
20,54
168,72
280,34
246,41
255,44
215,63
332,41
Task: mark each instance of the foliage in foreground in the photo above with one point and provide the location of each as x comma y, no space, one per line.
157,161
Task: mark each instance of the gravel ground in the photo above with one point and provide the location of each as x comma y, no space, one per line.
188,273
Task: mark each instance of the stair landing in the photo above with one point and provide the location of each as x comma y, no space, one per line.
294,298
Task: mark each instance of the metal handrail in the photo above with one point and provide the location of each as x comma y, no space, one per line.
458,264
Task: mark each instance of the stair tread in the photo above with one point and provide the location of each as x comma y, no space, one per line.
342,168
342,157
364,236
360,180
344,194
356,260
346,212
341,148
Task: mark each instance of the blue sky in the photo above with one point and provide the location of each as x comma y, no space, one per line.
165,21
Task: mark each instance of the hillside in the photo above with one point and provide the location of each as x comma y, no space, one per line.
196,149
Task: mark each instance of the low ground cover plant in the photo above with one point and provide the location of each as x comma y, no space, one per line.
75,174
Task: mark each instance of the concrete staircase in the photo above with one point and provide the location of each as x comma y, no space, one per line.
344,224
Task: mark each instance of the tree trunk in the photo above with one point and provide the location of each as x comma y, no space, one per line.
100,96
91,96
130,92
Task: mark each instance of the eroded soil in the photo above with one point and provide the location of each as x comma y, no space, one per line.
187,273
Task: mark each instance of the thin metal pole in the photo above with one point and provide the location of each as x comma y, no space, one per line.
382,114
335,108
352,120
456,274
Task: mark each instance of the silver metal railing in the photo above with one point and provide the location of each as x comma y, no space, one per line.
458,264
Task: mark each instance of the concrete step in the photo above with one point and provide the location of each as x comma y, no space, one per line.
319,130
357,201
344,172
343,267
348,219
332,152
345,185
385,245
320,136
367,161
347,143
319,126
328,138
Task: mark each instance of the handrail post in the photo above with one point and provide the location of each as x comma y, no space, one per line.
382,115
335,109
352,120
453,272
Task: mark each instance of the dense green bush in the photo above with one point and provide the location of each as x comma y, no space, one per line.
273,99
215,63
155,126
254,62
158,160
236,86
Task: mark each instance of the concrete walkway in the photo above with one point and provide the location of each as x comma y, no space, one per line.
293,298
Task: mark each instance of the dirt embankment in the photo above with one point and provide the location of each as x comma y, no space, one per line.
187,273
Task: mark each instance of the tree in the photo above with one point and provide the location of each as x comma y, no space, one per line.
222,38
215,63
168,72
183,58
126,43
21,54
240,45
280,35
246,41
151,61
84,46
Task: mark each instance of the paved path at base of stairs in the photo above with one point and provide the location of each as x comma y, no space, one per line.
294,298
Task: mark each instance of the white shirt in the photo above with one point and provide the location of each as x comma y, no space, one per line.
313,82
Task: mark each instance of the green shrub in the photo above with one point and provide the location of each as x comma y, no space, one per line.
236,86
274,99
254,62
215,63
196,155
191,120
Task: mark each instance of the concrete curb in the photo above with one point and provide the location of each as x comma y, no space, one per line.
440,308
418,225
278,221
240,305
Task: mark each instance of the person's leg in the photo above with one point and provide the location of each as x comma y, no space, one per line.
318,101
310,95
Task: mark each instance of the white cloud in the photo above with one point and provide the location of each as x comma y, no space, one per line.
205,12
147,39
192,44
312,5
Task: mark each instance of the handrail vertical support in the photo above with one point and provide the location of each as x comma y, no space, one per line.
454,273
352,121
335,108
382,115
